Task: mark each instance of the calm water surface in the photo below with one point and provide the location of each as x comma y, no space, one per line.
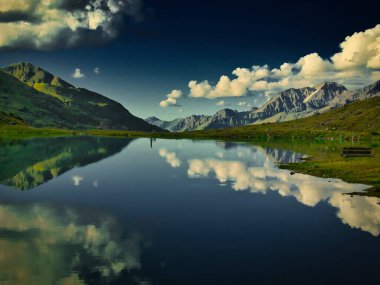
118,211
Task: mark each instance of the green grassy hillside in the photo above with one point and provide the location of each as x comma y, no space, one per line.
34,108
356,120
31,74
42,100
6,119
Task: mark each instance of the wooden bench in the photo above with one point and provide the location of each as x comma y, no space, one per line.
357,152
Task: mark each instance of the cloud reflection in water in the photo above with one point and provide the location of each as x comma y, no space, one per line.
42,245
170,157
256,171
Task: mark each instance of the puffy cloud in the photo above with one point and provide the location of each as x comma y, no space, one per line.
78,74
284,71
313,66
96,70
20,6
171,99
49,24
361,50
171,158
226,87
358,61
221,103
259,85
199,89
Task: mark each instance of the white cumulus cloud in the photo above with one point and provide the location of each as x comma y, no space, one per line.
361,50
78,74
171,99
358,62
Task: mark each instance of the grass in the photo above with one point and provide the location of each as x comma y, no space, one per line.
322,137
19,131
51,90
326,161
48,106
6,119
355,121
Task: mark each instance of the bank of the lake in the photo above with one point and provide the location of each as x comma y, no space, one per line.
323,147
326,161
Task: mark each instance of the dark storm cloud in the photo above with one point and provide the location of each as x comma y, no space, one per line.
16,16
51,24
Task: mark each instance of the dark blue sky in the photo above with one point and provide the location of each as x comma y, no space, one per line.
178,41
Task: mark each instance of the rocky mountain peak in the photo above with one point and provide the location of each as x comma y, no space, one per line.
374,88
152,119
330,85
32,74
285,105
225,113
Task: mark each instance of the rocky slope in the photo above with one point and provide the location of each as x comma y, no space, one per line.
286,105
40,99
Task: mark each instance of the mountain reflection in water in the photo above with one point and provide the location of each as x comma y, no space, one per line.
25,164
121,211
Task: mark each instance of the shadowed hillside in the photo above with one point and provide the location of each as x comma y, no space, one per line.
41,99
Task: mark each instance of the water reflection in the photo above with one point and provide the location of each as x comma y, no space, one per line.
278,155
45,245
254,169
284,156
25,164
170,157
159,215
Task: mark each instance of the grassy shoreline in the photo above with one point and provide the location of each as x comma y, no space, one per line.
256,132
324,147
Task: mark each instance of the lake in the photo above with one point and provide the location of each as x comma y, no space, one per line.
89,210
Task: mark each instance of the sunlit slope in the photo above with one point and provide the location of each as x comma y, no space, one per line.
361,116
34,108
43,100
358,116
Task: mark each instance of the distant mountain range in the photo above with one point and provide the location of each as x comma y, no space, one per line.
35,97
32,96
286,105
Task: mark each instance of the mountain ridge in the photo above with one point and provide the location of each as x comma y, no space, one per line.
286,105
31,74
41,99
